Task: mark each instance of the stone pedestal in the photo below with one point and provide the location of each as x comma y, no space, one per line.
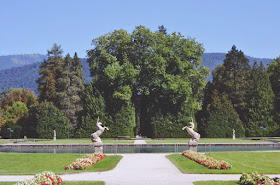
193,145
98,147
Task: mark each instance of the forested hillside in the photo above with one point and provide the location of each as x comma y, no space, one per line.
212,60
26,75
10,61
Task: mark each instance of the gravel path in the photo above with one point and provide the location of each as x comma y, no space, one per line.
139,169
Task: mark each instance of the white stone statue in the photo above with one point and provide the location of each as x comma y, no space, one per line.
54,135
233,134
195,135
95,136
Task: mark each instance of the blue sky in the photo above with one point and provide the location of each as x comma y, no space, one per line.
32,26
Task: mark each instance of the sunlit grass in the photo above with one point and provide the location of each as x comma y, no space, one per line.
22,164
248,162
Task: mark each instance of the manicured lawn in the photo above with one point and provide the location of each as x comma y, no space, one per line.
215,183
67,183
4,141
248,162
19,164
204,140
78,141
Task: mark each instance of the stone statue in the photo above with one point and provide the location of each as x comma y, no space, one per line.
233,134
195,135
54,135
95,136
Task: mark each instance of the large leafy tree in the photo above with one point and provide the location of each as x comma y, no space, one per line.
15,104
154,74
17,95
13,117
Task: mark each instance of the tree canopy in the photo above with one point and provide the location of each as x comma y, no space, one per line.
152,73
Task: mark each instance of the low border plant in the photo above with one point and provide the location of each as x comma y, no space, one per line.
44,178
85,162
257,179
208,162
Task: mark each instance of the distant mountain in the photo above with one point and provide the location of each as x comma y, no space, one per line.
10,61
212,60
26,75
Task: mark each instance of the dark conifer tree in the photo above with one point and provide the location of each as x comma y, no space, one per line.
233,78
48,74
70,86
261,102
274,76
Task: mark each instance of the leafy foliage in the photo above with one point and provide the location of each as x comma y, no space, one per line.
247,89
11,96
48,118
274,76
261,104
155,73
25,75
221,118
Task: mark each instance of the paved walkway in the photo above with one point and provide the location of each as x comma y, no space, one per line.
141,142
139,169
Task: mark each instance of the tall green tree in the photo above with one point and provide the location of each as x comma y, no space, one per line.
93,107
260,103
48,72
13,120
150,73
70,88
274,76
77,86
222,118
49,118
233,78
62,83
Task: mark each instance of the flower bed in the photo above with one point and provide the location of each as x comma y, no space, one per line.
44,178
83,163
257,179
208,162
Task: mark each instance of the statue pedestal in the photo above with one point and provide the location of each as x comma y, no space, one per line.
98,147
193,145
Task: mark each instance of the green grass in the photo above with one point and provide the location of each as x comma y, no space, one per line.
215,183
78,141
23,164
248,162
67,183
4,141
204,140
